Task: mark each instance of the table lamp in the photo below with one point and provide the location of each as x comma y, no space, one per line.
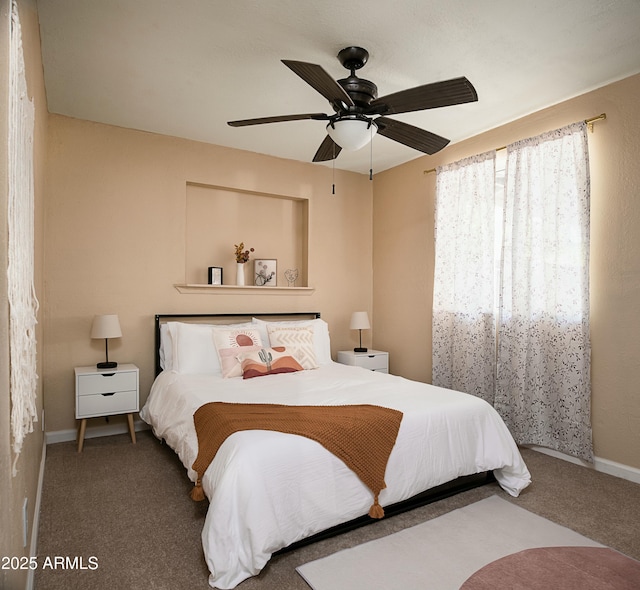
360,321
106,326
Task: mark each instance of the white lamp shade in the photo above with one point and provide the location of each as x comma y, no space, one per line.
360,321
352,134
106,326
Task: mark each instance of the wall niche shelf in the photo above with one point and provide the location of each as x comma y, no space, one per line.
191,288
218,217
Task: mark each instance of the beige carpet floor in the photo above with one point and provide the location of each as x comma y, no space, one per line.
128,506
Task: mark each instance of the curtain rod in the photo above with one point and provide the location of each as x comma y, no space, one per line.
589,123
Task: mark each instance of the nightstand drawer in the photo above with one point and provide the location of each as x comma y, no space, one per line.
107,382
373,360
120,402
376,362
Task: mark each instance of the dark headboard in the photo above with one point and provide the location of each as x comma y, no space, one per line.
220,318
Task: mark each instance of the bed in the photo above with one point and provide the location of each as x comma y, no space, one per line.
269,490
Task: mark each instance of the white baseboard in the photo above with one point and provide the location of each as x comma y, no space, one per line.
35,525
602,465
57,436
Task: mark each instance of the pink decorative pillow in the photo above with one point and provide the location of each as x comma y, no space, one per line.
267,361
230,342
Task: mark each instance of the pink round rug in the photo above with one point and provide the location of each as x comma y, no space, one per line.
569,568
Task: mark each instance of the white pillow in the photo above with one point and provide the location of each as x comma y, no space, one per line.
193,348
321,341
298,340
229,342
166,348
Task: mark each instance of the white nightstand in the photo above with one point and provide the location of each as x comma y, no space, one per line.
374,360
106,392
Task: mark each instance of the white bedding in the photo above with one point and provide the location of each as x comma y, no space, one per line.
268,489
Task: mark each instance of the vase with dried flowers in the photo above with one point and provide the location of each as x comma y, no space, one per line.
242,256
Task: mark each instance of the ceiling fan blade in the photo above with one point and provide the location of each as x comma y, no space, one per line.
245,122
319,80
411,136
328,150
429,96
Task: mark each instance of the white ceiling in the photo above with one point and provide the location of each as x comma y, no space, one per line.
186,67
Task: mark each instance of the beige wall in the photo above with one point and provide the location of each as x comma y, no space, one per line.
13,490
115,236
403,256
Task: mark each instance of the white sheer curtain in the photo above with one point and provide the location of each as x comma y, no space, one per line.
464,297
543,387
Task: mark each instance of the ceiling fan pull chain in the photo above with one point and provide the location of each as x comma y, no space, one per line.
333,161
371,155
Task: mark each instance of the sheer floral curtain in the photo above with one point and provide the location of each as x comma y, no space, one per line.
463,299
543,387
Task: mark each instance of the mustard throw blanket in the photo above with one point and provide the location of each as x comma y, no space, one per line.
362,436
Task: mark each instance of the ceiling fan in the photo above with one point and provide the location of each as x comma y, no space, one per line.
359,113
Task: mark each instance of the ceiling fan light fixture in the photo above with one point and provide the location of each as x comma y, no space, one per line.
356,104
352,132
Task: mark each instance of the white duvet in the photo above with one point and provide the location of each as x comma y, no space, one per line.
268,489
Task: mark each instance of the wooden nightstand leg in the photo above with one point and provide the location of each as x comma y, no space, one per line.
83,427
132,430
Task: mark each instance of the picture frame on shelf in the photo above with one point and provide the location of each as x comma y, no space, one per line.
265,272
215,275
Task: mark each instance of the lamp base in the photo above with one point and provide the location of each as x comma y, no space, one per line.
107,365
360,349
